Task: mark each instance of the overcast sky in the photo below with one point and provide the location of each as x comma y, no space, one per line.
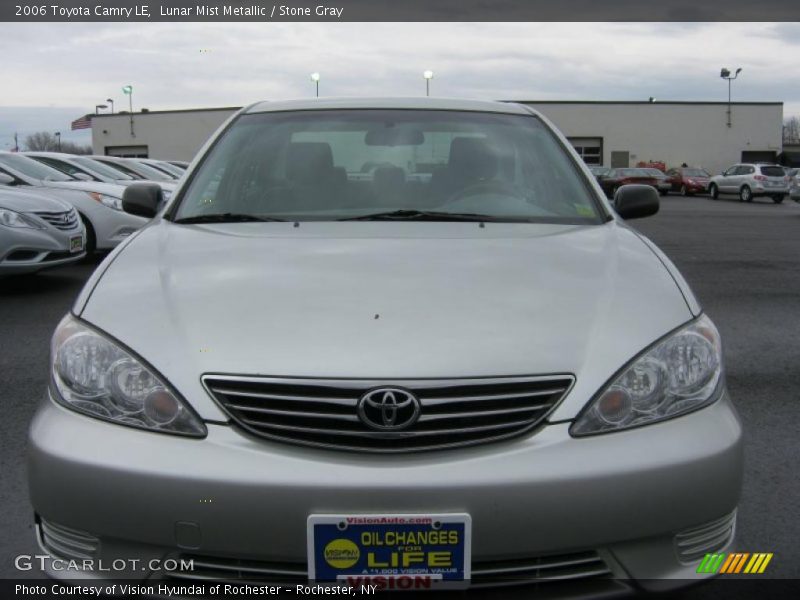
54,73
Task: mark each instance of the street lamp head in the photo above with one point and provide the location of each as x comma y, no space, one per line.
110,100
127,89
739,70
428,74
315,77
724,73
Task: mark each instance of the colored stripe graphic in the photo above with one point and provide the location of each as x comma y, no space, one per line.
735,563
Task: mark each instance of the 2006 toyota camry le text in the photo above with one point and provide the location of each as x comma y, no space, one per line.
404,343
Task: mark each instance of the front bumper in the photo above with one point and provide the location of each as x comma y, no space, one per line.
31,250
623,495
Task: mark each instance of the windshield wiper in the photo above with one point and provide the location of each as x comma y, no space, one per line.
420,215
224,218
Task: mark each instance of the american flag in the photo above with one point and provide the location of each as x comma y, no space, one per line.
85,122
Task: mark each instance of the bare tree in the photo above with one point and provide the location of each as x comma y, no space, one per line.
44,141
791,130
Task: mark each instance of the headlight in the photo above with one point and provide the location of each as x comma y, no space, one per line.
11,218
93,375
109,201
679,374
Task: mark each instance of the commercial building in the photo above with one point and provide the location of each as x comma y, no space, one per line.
614,133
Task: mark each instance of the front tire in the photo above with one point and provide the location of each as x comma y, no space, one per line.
713,191
778,198
685,191
746,194
91,239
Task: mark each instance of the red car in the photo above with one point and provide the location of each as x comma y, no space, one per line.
688,180
619,177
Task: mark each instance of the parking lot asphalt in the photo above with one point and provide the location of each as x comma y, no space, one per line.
742,261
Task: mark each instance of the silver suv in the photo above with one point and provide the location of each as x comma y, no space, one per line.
751,180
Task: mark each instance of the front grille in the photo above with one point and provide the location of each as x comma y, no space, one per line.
60,220
577,566
693,544
66,542
324,412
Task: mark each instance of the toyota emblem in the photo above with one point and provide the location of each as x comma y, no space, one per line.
388,409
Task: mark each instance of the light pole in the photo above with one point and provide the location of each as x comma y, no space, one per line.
58,140
726,74
128,91
428,75
98,107
111,102
315,79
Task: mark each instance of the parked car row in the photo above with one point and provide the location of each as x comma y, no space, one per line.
745,180
55,208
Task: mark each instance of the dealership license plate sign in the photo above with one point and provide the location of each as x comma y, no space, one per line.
395,552
76,243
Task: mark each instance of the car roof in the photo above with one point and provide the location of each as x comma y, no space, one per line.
423,103
51,154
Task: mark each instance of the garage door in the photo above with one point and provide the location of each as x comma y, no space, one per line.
590,149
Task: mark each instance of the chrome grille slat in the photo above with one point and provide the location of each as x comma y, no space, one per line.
67,543
339,401
545,569
436,401
380,434
65,220
534,566
479,413
298,413
692,544
325,412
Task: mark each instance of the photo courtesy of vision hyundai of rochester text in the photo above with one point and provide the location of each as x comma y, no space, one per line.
363,325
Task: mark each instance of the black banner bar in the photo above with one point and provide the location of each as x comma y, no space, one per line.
397,10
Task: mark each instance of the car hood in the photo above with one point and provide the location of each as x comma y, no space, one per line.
110,189
30,201
385,300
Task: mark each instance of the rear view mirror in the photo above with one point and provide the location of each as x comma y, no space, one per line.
6,179
391,135
635,201
142,199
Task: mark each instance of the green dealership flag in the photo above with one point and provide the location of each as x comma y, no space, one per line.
127,89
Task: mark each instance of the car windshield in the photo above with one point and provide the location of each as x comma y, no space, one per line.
654,172
405,164
32,168
696,173
635,172
101,168
168,168
150,171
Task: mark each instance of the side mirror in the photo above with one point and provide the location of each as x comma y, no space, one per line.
83,176
6,179
142,199
635,201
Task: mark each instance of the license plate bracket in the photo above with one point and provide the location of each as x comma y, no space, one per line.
76,244
390,551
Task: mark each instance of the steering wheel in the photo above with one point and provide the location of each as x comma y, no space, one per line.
488,187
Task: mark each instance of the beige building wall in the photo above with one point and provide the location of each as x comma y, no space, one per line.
672,132
166,135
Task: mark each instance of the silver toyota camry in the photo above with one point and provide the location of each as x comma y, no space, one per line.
395,342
